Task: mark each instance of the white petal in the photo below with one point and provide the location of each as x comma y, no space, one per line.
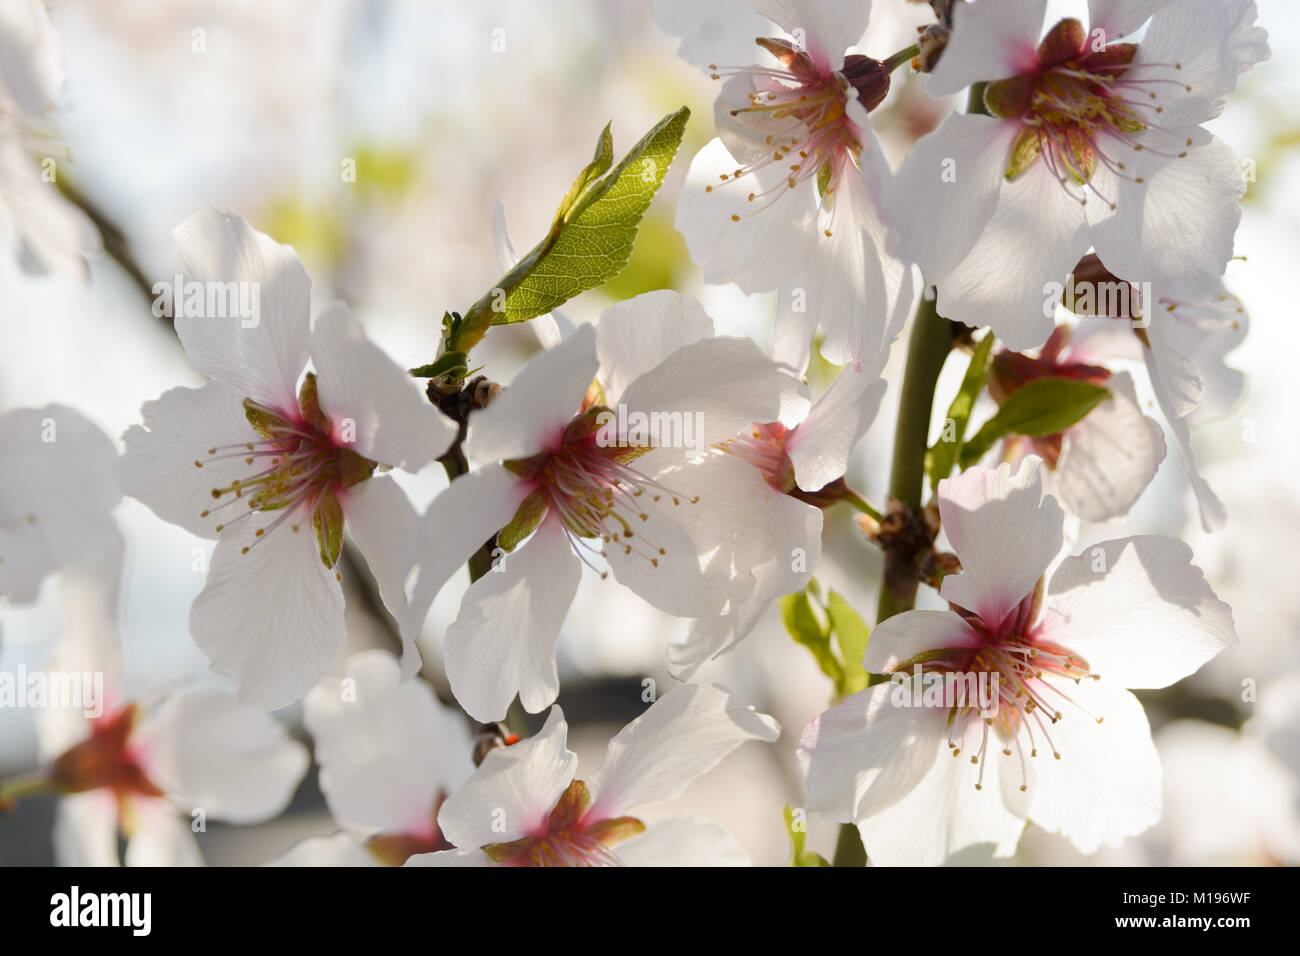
868,752
1106,786
944,815
383,522
337,849
473,508
503,641
85,830
1035,238
514,790
829,27
683,735
1109,457
531,413
1175,230
718,32
161,837
31,56
947,190
1118,18
58,487
261,356
904,636
638,334
385,746
49,234
451,858
1005,533
991,40
682,841
271,618
182,429
372,404
210,754
1138,611
821,444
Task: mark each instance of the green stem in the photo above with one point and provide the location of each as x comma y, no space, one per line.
26,785
902,56
860,503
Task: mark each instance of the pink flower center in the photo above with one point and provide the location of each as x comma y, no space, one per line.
105,759
297,469
797,117
1027,703
568,837
764,448
1082,106
594,490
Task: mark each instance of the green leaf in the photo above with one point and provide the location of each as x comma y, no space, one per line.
943,455
1042,407
851,635
447,362
590,239
798,855
802,624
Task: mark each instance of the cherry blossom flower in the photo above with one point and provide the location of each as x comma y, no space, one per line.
149,768
58,488
1099,466
781,470
563,491
47,233
272,460
389,755
788,197
1091,143
524,806
1066,744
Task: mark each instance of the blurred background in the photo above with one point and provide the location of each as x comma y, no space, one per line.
443,108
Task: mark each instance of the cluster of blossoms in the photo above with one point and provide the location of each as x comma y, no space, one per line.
1081,157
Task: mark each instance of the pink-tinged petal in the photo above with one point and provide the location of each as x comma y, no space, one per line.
902,637
451,858
512,793
1033,241
1116,19
530,414
210,754
1197,336
1174,230
1138,611
991,40
160,837
1004,532
722,32
31,56
261,356
171,461
473,508
85,830
48,234
383,523
724,384
1110,457
59,485
820,446
762,248
271,618
1212,513
337,849
947,190
827,27
681,736
503,641
385,745
682,841
373,405
961,823
868,752
636,335
1106,786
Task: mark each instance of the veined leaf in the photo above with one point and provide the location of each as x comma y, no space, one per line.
851,635
943,455
802,624
1042,407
